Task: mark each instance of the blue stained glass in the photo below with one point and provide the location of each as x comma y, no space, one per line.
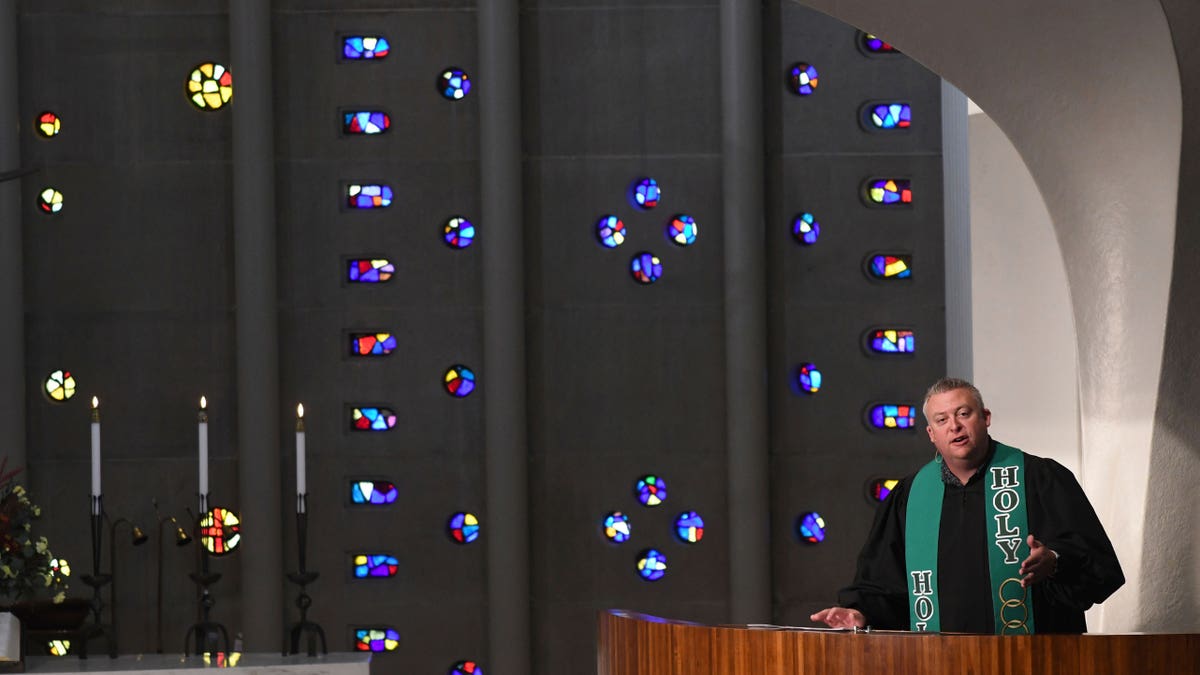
610,231
455,84
365,122
893,416
368,196
375,565
808,378
376,639
892,341
458,232
365,47
372,419
811,527
652,564
891,266
803,79
806,229
874,45
368,271
459,381
645,267
682,230
617,527
892,116
463,527
372,492
651,490
466,668
646,193
689,527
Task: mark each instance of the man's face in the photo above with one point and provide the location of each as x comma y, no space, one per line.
958,426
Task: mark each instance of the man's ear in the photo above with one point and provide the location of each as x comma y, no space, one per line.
987,417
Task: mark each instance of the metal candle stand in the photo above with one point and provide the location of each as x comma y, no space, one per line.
302,579
97,581
205,630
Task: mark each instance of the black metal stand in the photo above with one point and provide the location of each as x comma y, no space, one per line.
206,630
304,578
97,581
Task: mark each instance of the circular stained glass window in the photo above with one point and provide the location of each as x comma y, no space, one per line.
49,124
808,378
652,564
806,229
454,84
459,381
376,639
50,201
610,231
220,531
803,79
60,385
210,86
617,527
811,527
682,230
689,527
650,490
463,527
646,193
466,668
880,488
458,232
645,267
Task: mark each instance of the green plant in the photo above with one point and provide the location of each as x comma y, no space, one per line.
27,567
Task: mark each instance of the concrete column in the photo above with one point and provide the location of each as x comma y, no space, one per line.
956,186
12,295
505,435
745,310
257,325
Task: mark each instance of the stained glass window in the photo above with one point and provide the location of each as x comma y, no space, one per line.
458,232
890,266
808,378
58,647
220,531
652,564
372,419
210,86
645,267
60,385
379,639
617,527
646,193
372,344
806,229
365,47
60,567
466,668
463,527
892,416
459,381
682,230
887,116
802,80
689,527
891,341
365,122
889,191
650,490
881,488
454,84
375,566
370,270
50,200
811,527
610,231
873,45
373,492
49,124
368,196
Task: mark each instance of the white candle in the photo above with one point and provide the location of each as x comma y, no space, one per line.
95,455
301,481
203,417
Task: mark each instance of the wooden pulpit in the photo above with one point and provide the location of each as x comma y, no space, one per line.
638,644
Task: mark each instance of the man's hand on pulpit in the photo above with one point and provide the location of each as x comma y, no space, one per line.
841,617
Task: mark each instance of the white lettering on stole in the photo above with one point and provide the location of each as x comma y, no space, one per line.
1005,499
923,589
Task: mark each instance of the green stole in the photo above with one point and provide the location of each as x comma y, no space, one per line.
1008,527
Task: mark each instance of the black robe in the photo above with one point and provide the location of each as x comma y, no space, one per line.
1060,516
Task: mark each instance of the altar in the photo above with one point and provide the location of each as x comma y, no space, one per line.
344,663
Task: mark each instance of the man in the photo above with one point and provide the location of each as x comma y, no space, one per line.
984,539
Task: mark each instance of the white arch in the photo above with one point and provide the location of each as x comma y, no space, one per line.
1089,94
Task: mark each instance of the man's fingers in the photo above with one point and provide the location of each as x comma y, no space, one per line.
1033,543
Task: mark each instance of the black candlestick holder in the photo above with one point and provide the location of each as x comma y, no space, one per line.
206,631
302,579
96,581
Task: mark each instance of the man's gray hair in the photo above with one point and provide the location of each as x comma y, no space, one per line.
950,384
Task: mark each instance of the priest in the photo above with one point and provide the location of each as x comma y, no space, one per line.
983,539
